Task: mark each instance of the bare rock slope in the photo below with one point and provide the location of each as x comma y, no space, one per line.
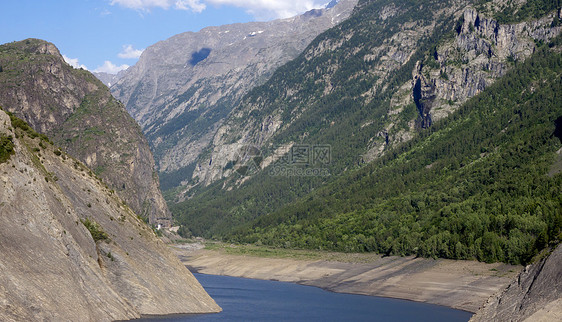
78,112
71,249
535,295
182,88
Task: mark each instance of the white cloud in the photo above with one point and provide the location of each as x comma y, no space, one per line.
74,62
268,9
261,9
110,68
130,53
193,5
146,5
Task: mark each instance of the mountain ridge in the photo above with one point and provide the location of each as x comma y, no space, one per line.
78,112
179,103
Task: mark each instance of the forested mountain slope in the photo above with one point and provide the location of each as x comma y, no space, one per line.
479,184
390,73
78,112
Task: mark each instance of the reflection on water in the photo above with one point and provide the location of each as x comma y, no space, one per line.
255,300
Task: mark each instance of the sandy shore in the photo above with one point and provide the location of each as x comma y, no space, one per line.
463,285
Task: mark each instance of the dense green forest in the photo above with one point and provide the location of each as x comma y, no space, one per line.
212,213
472,186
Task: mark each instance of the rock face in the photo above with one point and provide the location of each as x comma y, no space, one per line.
535,295
182,88
482,50
72,250
78,112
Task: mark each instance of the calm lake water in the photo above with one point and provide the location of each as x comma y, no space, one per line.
254,300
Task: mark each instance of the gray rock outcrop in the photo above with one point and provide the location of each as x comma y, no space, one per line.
482,51
71,250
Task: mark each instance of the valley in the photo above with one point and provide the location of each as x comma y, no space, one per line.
390,148
463,285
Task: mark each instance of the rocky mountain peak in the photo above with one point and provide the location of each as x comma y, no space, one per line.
39,46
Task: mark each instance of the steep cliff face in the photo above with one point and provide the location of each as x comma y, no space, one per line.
72,249
481,51
78,112
182,88
457,68
535,295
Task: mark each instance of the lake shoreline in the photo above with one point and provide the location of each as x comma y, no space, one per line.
462,285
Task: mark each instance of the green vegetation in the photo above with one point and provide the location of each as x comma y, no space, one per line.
157,231
298,254
531,9
95,230
472,186
21,124
6,148
212,212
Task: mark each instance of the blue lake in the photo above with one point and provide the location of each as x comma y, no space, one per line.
254,300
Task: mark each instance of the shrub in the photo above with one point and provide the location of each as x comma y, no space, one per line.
6,148
95,230
21,124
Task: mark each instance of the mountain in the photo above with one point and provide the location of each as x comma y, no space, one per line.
71,248
379,137
182,88
336,76
477,185
78,112
108,79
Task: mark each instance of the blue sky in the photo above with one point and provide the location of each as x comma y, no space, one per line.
107,35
